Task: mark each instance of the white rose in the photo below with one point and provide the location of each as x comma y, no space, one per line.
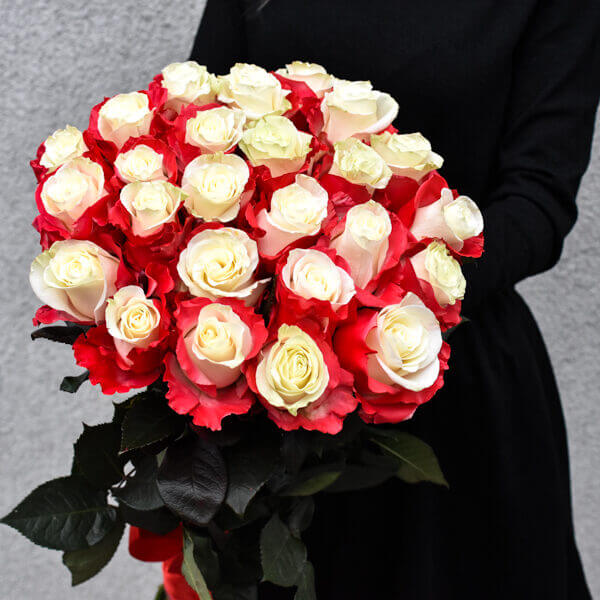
442,271
218,344
355,108
408,154
312,274
216,129
221,263
151,204
276,143
313,75
63,145
406,344
297,210
452,219
72,189
125,116
141,163
132,320
291,373
76,277
187,83
359,163
214,184
254,90
364,241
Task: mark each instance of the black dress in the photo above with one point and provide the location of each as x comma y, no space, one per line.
506,90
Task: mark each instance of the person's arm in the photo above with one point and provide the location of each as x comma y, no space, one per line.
545,147
221,38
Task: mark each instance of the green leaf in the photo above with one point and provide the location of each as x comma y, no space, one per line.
65,334
249,466
283,556
160,593
301,515
160,521
63,514
295,447
306,584
86,563
313,480
149,420
140,492
362,476
417,459
190,570
72,383
235,592
206,559
97,455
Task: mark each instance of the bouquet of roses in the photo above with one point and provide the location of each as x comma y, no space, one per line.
275,268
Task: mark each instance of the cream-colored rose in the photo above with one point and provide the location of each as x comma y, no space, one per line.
407,154
62,146
125,116
359,163
221,263
151,204
215,130
297,210
442,271
313,75
72,189
291,373
312,274
218,344
354,108
452,219
132,320
187,83
276,143
253,89
214,184
141,163
76,277
406,344
364,241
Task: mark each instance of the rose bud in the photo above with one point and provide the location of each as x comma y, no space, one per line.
360,164
436,266
451,219
408,155
355,108
214,185
299,381
397,357
297,211
124,116
72,189
311,283
150,204
75,277
141,163
365,240
215,130
313,75
254,90
127,352
204,375
221,263
276,143
61,147
187,83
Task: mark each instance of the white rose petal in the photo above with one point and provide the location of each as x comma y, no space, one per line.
359,163
313,75
62,146
215,130
292,373
125,116
141,163
187,83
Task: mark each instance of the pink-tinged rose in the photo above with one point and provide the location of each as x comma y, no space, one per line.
145,158
299,381
128,351
297,211
360,164
62,146
215,339
354,108
217,129
313,75
187,83
221,262
75,277
397,357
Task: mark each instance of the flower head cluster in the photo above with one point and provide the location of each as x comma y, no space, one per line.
254,239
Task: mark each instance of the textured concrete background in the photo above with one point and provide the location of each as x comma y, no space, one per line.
58,58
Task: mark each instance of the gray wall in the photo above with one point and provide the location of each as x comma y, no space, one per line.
59,58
